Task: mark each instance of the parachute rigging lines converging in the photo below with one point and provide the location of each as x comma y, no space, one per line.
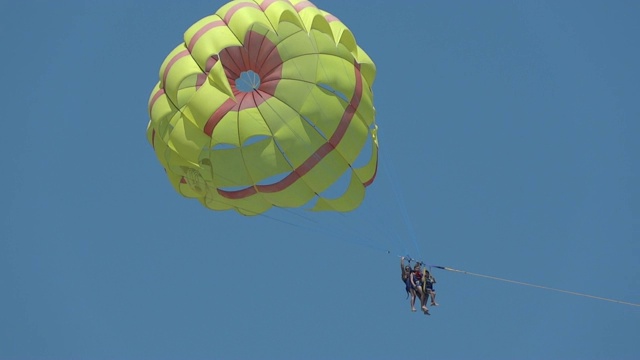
268,105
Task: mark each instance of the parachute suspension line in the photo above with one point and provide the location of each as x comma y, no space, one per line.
538,286
318,227
376,224
399,200
332,233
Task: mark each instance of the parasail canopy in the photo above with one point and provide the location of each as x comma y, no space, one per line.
266,103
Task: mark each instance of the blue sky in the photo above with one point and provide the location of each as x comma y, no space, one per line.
509,137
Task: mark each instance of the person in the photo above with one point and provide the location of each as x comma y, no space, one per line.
429,280
406,279
416,284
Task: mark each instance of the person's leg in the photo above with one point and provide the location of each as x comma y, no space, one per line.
423,305
433,297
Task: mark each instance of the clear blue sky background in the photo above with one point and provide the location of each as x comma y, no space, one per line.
509,134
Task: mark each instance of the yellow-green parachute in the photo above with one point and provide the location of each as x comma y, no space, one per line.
266,103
